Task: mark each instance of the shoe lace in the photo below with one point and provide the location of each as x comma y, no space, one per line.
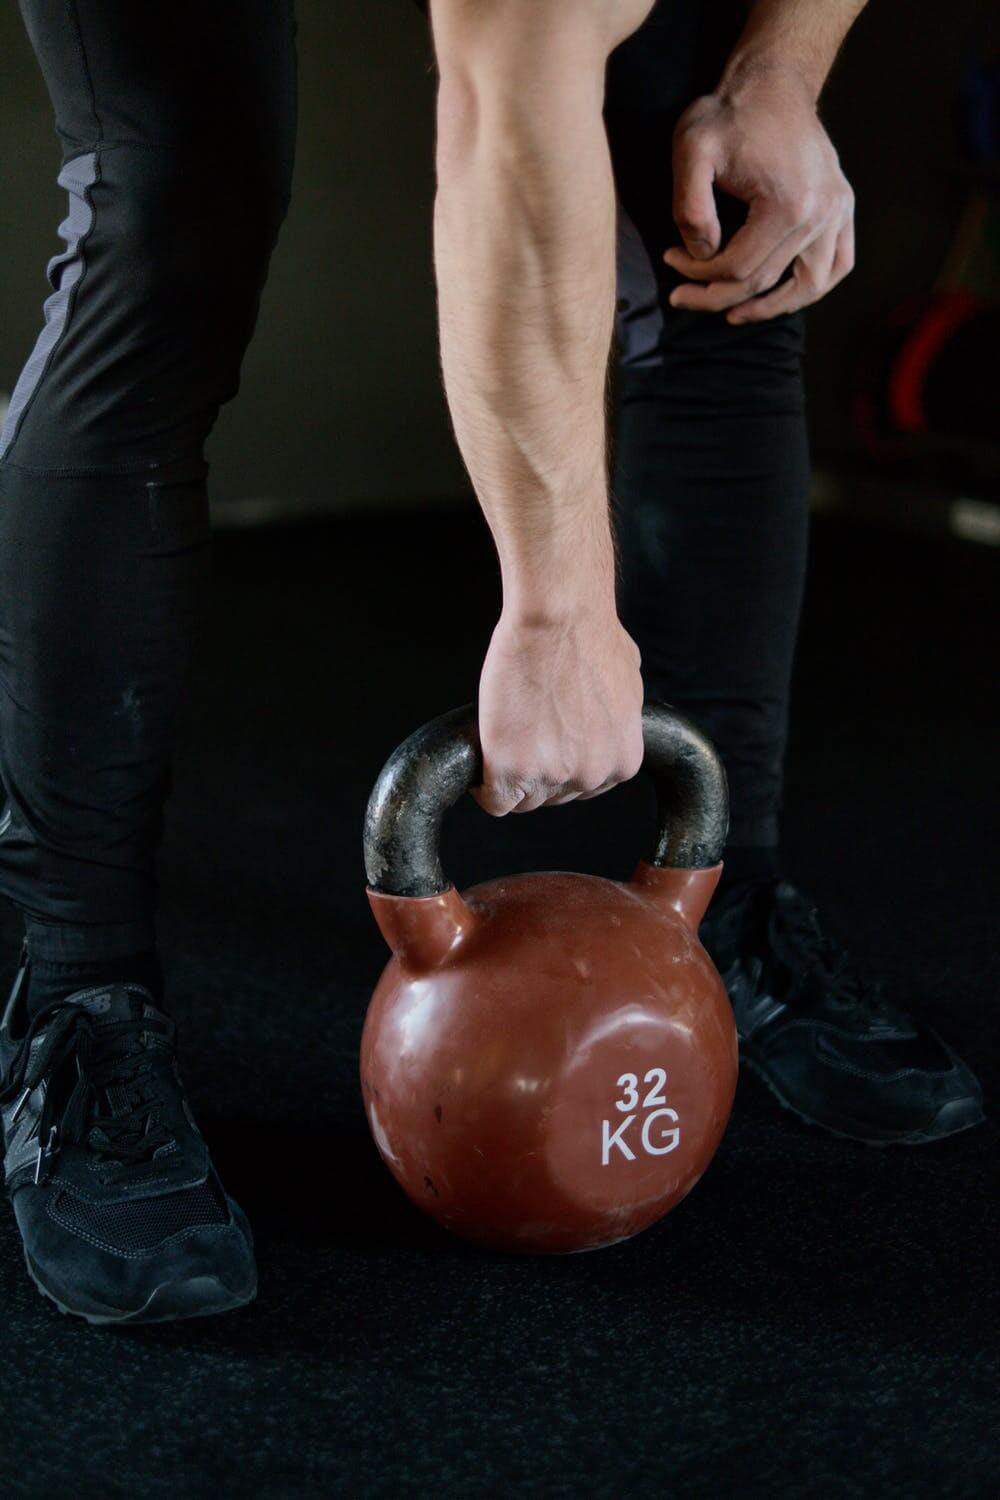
848,986
113,1059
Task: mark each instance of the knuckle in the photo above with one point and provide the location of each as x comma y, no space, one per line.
508,787
690,226
691,130
802,205
809,205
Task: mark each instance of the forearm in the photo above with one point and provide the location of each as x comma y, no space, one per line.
524,252
800,37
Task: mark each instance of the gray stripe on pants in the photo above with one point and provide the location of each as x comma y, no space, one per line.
639,324
63,272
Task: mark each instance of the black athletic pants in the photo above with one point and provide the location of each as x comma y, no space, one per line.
177,125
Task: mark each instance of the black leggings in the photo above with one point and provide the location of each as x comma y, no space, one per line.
177,123
711,478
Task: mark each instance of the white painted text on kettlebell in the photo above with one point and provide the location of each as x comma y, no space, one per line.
654,1136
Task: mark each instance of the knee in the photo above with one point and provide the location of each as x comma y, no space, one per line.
167,254
175,220
700,365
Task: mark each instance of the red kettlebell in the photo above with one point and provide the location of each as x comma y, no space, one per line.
549,1062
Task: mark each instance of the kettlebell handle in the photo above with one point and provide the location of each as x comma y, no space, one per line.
428,773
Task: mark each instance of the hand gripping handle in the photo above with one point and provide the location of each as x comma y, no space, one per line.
429,771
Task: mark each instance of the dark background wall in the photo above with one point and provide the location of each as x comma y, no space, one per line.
340,402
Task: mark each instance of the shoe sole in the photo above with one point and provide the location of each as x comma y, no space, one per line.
198,1297
951,1119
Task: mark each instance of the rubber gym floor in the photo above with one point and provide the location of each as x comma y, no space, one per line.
816,1319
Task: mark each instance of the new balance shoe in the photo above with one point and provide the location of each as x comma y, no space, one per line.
121,1213
821,1033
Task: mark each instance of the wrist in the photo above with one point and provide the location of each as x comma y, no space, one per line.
761,69
559,615
788,45
560,604
562,578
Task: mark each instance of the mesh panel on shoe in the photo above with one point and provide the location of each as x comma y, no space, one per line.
141,1223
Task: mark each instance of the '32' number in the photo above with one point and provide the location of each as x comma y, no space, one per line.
656,1077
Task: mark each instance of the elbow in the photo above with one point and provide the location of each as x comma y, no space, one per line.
459,119
512,77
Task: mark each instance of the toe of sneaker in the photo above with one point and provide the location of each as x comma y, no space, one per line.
908,1108
952,1098
199,1271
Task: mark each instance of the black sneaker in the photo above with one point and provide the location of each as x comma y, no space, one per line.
822,1035
122,1216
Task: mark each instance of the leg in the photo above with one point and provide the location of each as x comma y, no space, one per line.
711,474
177,127
711,484
177,121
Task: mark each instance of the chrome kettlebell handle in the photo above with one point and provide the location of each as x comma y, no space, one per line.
428,772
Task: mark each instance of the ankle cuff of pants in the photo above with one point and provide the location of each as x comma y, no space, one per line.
65,944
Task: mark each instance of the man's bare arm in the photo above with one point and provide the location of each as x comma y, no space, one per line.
524,250
758,137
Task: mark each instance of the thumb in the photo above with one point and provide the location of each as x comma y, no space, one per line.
694,201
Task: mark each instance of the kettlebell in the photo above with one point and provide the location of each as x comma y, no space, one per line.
548,1061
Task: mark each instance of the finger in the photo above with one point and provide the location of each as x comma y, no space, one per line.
720,296
612,781
541,796
499,796
787,298
489,802
694,200
767,226
567,791
809,282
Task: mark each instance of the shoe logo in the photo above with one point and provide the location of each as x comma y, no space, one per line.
21,1127
752,1011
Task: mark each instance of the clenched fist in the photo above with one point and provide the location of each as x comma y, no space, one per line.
560,711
